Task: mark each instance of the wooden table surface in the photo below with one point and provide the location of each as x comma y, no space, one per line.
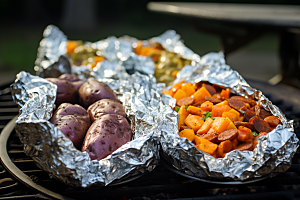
268,14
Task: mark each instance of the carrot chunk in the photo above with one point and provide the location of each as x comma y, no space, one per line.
187,133
207,146
200,95
206,126
194,122
220,124
71,46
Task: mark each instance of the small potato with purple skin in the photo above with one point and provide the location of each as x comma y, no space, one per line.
105,106
106,135
73,79
92,91
73,121
66,91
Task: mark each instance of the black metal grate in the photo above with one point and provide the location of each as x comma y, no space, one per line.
159,184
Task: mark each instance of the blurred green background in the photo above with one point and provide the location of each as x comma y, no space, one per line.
22,24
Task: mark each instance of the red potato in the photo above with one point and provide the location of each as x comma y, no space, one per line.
92,91
73,79
69,77
66,91
105,106
73,121
106,135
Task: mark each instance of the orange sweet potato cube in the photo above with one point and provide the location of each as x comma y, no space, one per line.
182,114
217,110
207,146
189,89
200,95
232,116
195,110
206,126
220,124
194,121
187,133
180,94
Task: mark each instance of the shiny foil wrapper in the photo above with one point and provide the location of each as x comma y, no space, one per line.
52,60
272,155
56,154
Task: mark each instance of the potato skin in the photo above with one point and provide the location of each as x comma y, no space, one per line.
73,121
92,91
73,79
105,135
105,106
66,91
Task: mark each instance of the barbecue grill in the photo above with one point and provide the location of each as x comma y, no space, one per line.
20,178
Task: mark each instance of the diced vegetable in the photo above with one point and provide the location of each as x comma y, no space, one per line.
200,95
187,133
207,146
195,110
221,124
194,121
180,94
206,126
182,114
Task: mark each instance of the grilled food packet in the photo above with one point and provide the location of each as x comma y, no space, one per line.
161,56
56,154
272,155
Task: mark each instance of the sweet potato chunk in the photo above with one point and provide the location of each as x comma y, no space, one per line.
200,95
207,146
194,122
187,133
206,126
220,124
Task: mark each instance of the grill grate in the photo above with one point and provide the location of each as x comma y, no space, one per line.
159,184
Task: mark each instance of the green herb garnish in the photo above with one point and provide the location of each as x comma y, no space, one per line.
254,133
216,117
177,108
186,107
207,115
241,111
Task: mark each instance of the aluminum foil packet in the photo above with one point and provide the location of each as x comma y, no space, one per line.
272,155
52,60
56,154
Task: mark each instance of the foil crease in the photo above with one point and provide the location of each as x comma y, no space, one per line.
272,155
170,40
55,153
52,46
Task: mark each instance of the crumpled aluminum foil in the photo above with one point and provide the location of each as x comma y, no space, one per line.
55,153
272,155
117,50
